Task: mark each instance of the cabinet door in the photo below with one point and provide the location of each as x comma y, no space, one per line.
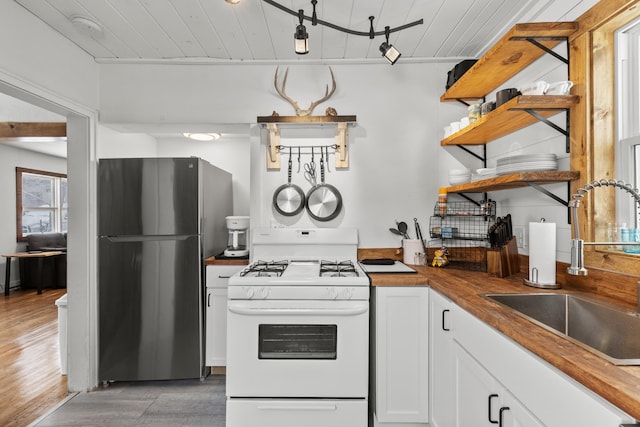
514,414
441,366
216,340
401,354
216,313
477,399
482,400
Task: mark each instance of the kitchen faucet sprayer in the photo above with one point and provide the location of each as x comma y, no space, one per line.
577,245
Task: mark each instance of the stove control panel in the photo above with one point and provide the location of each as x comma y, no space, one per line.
338,293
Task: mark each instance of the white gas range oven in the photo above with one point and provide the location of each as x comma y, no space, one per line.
298,332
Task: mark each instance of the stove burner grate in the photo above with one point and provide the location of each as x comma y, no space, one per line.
265,269
337,269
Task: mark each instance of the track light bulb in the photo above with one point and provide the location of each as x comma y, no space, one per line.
389,52
301,38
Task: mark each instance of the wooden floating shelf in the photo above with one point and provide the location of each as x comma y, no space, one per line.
306,119
510,117
514,180
510,55
275,123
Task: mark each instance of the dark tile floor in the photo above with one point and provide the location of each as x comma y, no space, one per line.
147,403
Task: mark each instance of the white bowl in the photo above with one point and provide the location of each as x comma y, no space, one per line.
559,88
456,180
535,88
456,172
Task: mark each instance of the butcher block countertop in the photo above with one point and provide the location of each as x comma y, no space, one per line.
620,385
226,261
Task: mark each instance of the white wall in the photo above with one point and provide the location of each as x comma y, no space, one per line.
232,155
113,144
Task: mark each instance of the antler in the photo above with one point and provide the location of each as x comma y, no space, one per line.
314,104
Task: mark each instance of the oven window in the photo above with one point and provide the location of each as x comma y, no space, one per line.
297,341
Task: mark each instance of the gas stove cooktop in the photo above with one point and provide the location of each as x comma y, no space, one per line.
302,264
301,268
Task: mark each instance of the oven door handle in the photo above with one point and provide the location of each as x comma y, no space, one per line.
352,311
306,407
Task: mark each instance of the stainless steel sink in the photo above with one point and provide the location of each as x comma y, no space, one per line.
597,326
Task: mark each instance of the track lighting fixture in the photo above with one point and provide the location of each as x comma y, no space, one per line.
389,52
301,37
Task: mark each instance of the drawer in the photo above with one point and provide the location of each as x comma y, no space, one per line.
218,275
296,413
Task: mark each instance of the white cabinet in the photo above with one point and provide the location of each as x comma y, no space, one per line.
491,373
216,313
441,373
481,400
399,352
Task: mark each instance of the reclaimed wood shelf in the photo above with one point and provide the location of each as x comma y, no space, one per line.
510,55
275,123
306,119
514,180
510,117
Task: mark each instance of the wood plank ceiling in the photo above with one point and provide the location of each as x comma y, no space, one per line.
213,30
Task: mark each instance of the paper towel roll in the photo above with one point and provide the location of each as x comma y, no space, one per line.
542,252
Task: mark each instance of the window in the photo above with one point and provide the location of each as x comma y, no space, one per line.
41,202
628,126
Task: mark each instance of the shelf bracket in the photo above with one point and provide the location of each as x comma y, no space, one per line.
535,42
273,154
548,193
565,132
464,102
482,158
554,197
342,151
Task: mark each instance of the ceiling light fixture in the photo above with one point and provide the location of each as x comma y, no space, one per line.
86,25
232,1
301,37
389,52
203,136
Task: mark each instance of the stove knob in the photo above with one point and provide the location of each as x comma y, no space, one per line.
248,292
333,293
264,293
347,293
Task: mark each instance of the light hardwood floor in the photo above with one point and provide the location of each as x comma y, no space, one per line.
30,379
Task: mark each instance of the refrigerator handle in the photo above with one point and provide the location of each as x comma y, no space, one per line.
125,239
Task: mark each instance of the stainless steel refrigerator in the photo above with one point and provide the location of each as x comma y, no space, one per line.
158,219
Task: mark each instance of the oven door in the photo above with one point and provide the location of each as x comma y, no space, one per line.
297,348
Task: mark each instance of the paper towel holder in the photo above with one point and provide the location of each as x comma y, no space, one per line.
534,277
541,285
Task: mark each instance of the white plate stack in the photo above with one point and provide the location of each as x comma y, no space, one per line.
527,163
459,176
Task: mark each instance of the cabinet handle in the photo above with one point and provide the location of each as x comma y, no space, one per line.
443,313
209,300
491,396
223,277
504,408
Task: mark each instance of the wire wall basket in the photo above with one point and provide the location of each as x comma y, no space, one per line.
464,233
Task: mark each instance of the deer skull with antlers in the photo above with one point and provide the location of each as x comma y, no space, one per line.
314,104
